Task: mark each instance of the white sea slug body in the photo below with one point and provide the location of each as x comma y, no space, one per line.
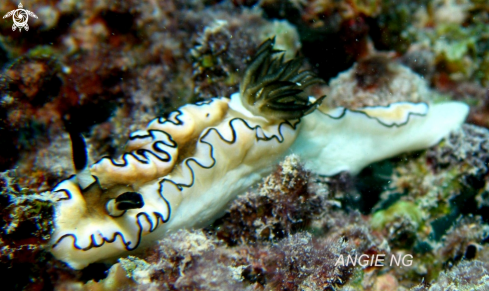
182,171
331,141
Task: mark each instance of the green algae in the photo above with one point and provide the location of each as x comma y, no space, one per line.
401,208
42,51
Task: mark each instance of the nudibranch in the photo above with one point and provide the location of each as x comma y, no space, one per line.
182,171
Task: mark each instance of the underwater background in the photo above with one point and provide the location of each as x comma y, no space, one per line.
106,68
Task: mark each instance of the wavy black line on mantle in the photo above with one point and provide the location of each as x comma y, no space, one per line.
344,111
158,215
143,152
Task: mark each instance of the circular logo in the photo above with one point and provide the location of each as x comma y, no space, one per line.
20,17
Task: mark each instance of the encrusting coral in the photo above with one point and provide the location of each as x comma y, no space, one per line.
183,170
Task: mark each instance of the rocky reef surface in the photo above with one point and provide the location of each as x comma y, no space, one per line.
106,68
